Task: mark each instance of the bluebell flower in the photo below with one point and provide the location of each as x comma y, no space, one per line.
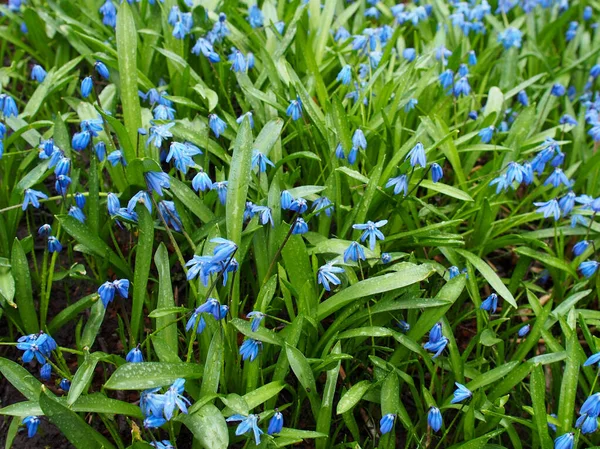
216,124
169,213
294,110
372,12
359,140
8,106
371,231
524,330
238,62
327,275
436,172
490,303
514,172
275,423
102,70
248,211
221,188
567,119
588,424
173,397
250,348
81,140
472,57
32,423
241,118
153,421
142,197
453,271
473,115
247,424
578,219
135,356
256,318
417,156
341,34
298,205
486,134
564,441
436,346
386,258
462,87
593,360
523,98
352,155
112,204
549,209
587,13
109,14
510,37
261,161
33,347
46,372
461,393
182,153
410,104
463,70
446,79
163,112
280,27
206,48
322,204
164,444
77,213
400,184
442,54
224,250
588,268
45,230
65,384
255,17
196,318
300,226
156,181
62,184
355,252
54,246
286,200
404,326
580,247
32,197
375,58
434,419
201,181
386,423
558,177
558,90
80,200
409,54
591,406
345,75
264,214
38,73
158,133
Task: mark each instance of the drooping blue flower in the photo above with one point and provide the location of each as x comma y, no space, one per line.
524,330
32,197
436,346
221,189
341,34
472,57
461,393
400,184
247,424
549,208
46,372
8,106
436,172
164,444
260,161
453,271
173,397
135,356
201,181
523,98
163,112
587,13
323,204
275,423
588,268
300,226
238,62
409,54
486,134
593,360
45,230
54,246
327,275
156,181
158,133
355,252
241,118
462,87
386,423
109,14
216,124
352,155
65,384
224,250
558,177
255,17
264,214
298,205
580,247
206,48
77,213
102,70
142,197
446,79
294,110
250,348
81,140
371,231
112,204
280,27
256,318
32,423
286,200
587,424
490,303
434,419
417,156
510,37
345,75
38,73
558,90
564,441
386,258
33,346
182,153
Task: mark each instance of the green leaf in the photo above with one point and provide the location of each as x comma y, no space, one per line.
127,57
446,190
213,365
82,378
92,327
145,375
373,286
546,259
143,259
23,292
165,302
77,431
268,136
239,180
262,334
305,376
351,397
568,386
167,311
537,387
262,394
21,379
492,376
191,200
489,275
208,426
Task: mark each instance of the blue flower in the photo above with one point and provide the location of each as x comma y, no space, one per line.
216,124
54,246
135,356
116,157
386,258
241,118
32,423
196,318
564,441
264,214
580,247
436,172
247,424
436,346
8,106
549,209
404,326
300,227
77,213
322,204
587,13
46,371
557,178
261,161
32,197
434,419
327,275
462,87
182,153
400,184
164,444
411,104
65,384
461,393
354,253
33,346
490,304
112,204
80,200
238,62
345,75
86,86
156,181
102,70
38,73
250,348
409,54
567,119
386,423
558,90
201,181
45,230
256,319
472,57
510,37
255,17
221,188
158,133
341,34
593,360
486,134
588,268
371,230
524,330
275,423
142,197
523,98
109,13
446,79
224,250
352,155
294,110
173,397
587,424
591,406
81,140
298,205
206,48
417,156
286,200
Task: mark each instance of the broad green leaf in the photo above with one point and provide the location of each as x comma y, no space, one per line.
262,334
351,397
262,394
213,365
21,379
165,302
145,375
208,426
82,378
191,200
305,376
568,386
23,291
143,259
537,386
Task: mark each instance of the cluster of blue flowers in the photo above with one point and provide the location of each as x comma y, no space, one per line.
158,408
